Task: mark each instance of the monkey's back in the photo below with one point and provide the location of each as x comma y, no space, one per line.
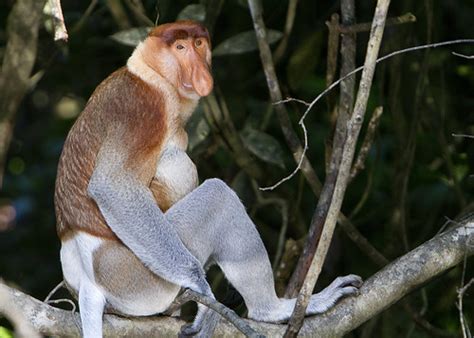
115,102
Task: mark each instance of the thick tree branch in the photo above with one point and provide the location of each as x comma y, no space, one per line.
380,291
18,61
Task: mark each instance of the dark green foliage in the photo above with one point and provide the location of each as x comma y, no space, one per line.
427,96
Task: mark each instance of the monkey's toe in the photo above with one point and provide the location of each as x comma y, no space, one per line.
188,330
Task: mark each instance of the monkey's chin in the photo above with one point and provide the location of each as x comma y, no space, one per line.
189,94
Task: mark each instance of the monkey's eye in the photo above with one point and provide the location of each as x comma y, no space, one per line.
179,47
198,43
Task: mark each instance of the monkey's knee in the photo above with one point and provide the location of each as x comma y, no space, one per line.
220,192
215,185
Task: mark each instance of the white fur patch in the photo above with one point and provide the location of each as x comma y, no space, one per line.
177,171
76,258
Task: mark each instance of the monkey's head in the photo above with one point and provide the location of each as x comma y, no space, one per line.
181,53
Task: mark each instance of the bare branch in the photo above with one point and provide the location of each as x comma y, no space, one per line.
13,312
365,27
359,164
336,83
138,11
380,291
290,19
470,57
463,135
275,93
231,316
78,25
60,31
291,99
53,291
335,201
18,61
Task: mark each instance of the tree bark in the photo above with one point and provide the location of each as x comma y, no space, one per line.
18,61
380,291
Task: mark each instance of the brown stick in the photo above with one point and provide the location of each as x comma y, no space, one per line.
365,27
290,20
355,123
224,311
275,93
359,164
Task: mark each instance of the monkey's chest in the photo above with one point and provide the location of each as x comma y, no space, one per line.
175,177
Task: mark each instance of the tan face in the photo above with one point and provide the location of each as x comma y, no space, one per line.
185,63
194,58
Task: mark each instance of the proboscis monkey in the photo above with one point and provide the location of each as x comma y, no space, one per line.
134,225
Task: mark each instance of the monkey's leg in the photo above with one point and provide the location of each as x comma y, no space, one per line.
91,305
212,223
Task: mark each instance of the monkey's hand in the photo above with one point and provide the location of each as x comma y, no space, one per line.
131,212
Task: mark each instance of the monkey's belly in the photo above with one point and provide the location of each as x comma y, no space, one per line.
128,286
176,175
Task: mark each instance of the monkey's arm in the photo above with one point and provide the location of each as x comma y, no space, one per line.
131,212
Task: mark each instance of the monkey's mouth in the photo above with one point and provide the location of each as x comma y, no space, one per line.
188,86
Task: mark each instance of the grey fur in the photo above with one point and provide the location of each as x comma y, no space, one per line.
208,225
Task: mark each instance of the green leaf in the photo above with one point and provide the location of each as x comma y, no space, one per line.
131,37
244,42
196,12
5,333
264,146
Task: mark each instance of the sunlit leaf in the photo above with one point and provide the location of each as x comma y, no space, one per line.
5,333
264,146
244,42
196,12
131,37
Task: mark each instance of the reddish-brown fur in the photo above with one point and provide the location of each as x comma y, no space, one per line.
144,117
134,112
184,29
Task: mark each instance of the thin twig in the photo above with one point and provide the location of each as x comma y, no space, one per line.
213,304
470,57
365,27
62,300
138,11
118,13
78,25
289,133
462,135
355,123
336,83
291,99
53,291
333,48
367,143
60,31
290,19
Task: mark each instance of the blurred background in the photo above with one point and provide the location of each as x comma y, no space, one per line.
417,175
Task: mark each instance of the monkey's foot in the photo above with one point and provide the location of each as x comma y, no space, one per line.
341,287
